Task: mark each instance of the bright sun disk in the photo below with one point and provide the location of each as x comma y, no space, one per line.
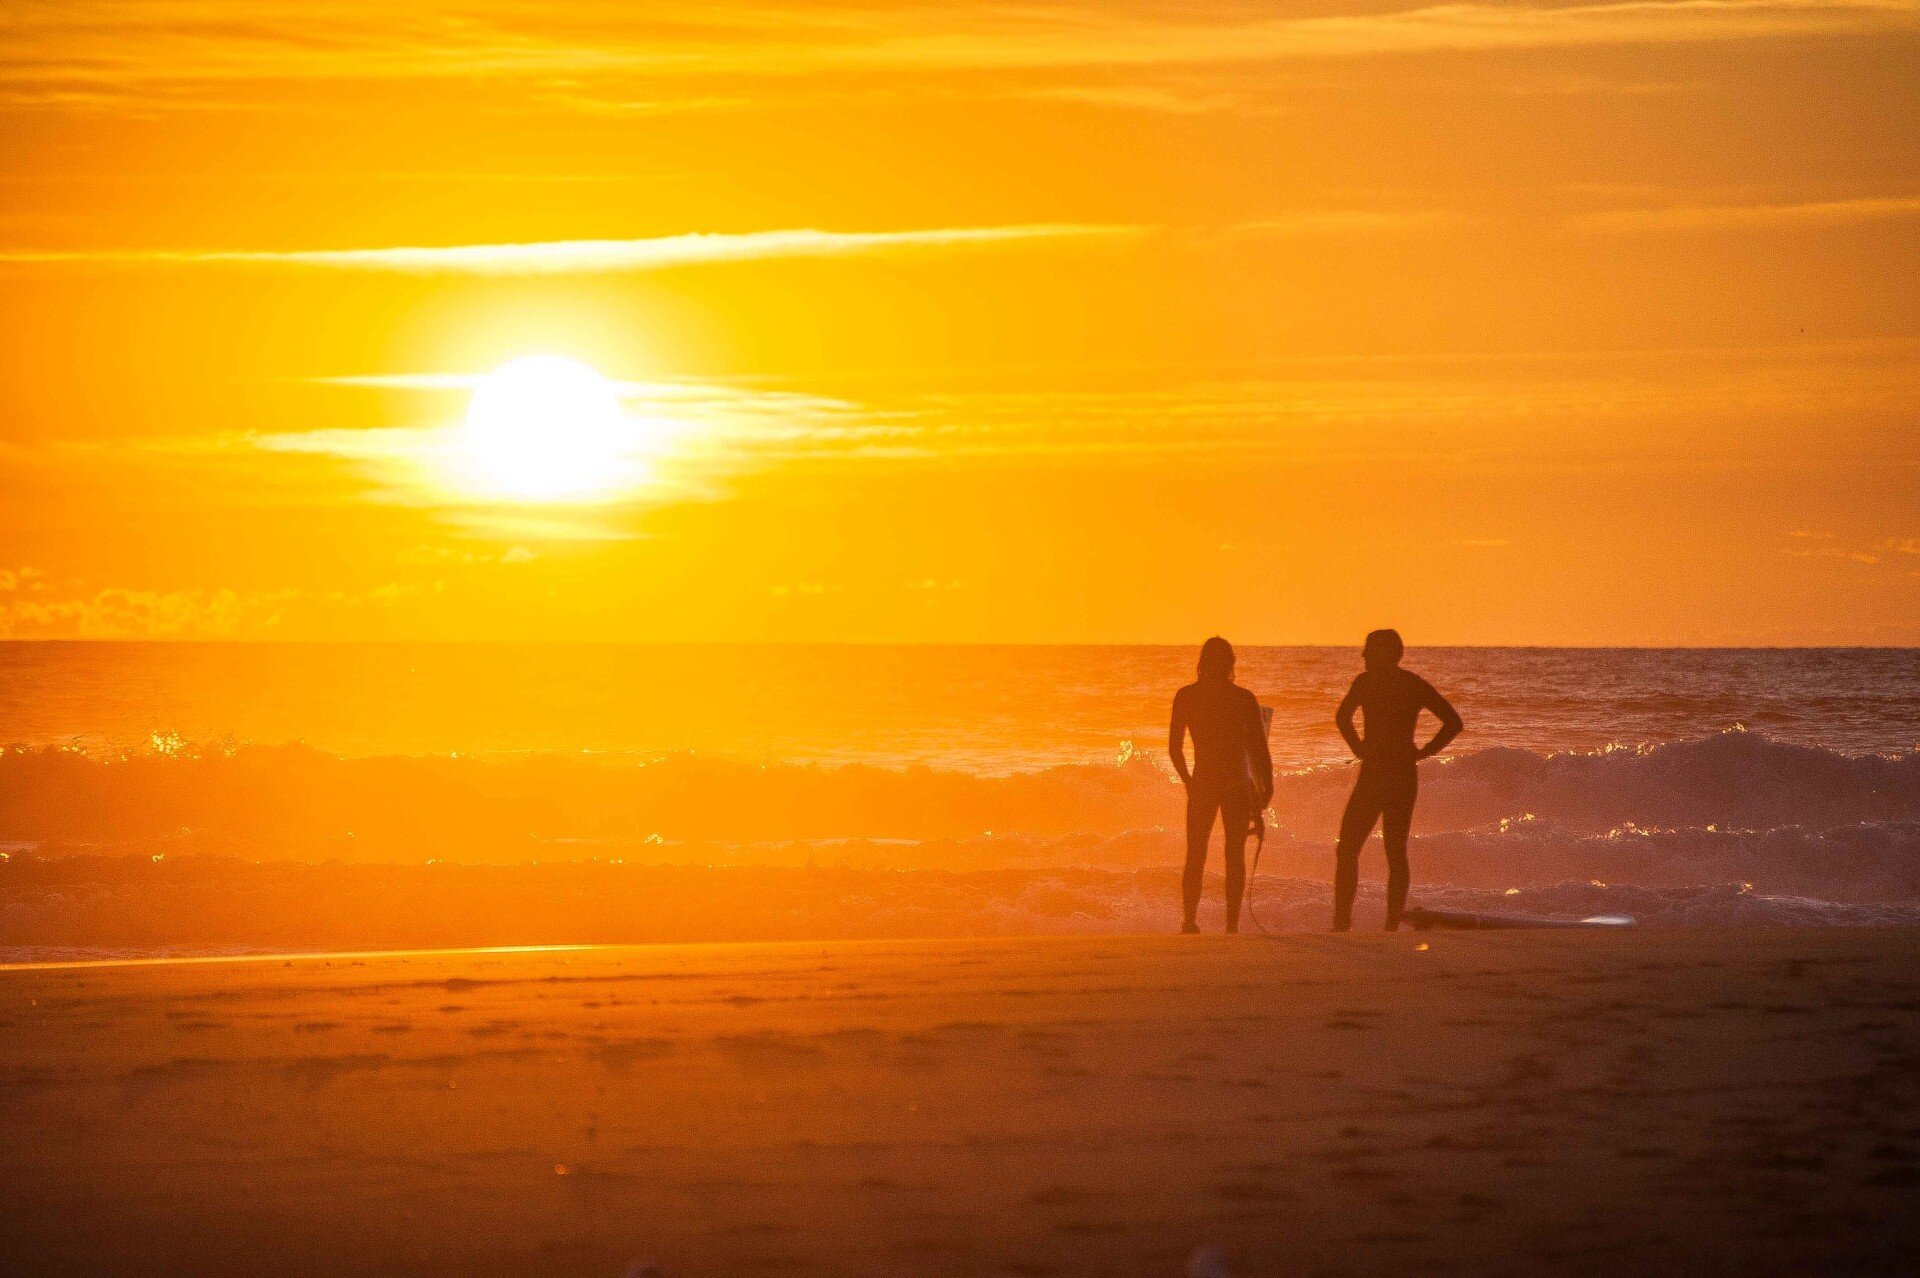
545,426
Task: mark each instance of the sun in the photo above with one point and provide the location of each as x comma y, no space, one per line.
545,426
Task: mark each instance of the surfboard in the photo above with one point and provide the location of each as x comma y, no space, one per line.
1260,818
1259,830
1428,920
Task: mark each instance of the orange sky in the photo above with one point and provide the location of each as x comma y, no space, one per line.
1571,323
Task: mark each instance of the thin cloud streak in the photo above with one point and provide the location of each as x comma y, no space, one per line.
151,50
1716,217
697,394
1348,221
713,431
557,257
1434,28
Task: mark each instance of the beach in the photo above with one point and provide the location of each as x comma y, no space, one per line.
1731,1100
821,638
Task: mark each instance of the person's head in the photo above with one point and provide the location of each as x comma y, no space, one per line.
1216,660
1383,650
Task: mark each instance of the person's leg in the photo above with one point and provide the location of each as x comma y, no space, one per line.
1356,824
1200,809
1396,820
1236,818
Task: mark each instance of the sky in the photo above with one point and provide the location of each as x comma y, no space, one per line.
1574,323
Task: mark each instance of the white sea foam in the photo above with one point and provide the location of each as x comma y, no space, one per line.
245,847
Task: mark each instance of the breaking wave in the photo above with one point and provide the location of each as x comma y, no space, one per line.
257,800
291,847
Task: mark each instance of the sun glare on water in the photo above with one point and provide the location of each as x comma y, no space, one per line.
546,427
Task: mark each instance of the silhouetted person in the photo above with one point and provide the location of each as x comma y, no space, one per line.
1390,701
1232,774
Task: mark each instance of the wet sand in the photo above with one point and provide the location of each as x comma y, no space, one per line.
1662,1102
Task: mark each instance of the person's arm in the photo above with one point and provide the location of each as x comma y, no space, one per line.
1177,740
1343,720
1450,724
1260,757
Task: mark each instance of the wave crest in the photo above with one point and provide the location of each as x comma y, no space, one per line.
268,800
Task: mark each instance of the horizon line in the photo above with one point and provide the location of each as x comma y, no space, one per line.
296,642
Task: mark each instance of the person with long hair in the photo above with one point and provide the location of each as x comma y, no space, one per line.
1231,776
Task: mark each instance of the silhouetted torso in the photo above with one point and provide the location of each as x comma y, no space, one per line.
1231,776
1389,701
1224,721
1390,704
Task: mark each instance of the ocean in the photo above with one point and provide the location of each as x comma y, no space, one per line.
208,797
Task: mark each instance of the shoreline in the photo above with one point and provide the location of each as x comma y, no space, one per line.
1249,934
289,956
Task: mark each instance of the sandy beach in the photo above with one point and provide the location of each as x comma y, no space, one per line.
1711,1101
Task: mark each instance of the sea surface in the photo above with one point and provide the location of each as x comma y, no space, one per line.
195,797
983,710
